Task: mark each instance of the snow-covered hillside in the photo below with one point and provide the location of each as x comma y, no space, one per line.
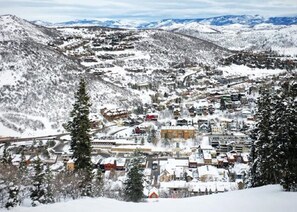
260,37
268,198
40,67
243,32
14,28
175,48
37,82
151,49
237,32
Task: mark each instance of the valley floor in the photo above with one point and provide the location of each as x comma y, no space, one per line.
264,199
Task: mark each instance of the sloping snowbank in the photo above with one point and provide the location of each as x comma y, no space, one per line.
241,70
264,199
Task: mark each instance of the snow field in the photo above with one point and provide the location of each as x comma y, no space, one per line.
266,199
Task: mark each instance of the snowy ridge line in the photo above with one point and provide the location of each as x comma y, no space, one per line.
250,20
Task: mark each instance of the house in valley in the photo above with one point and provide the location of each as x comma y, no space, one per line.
181,132
114,114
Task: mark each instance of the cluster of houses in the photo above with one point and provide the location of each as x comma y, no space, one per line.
78,44
195,152
268,60
182,176
200,144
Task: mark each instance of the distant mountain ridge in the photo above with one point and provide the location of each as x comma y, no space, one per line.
251,20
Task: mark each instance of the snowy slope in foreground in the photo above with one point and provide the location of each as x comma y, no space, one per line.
266,199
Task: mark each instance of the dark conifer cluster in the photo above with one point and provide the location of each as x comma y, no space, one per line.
274,152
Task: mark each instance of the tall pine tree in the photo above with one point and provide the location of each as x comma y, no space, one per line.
38,190
287,135
274,152
98,183
262,152
24,177
79,127
133,190
48,181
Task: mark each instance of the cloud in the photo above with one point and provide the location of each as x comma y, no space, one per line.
61,10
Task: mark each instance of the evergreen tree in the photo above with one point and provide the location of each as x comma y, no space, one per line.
85,178
142,141
66,186
154,136
133,190
11,186
274,152
287,136
149,137
278,137
13,199
38,190
79,128
23,164
165,95
98,183
6,158
48,181
23,176
222,104
139,109
261,165
166,140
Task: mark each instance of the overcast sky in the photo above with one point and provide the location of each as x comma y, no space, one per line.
62,10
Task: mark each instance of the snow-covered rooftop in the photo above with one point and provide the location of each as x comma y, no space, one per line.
177,128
